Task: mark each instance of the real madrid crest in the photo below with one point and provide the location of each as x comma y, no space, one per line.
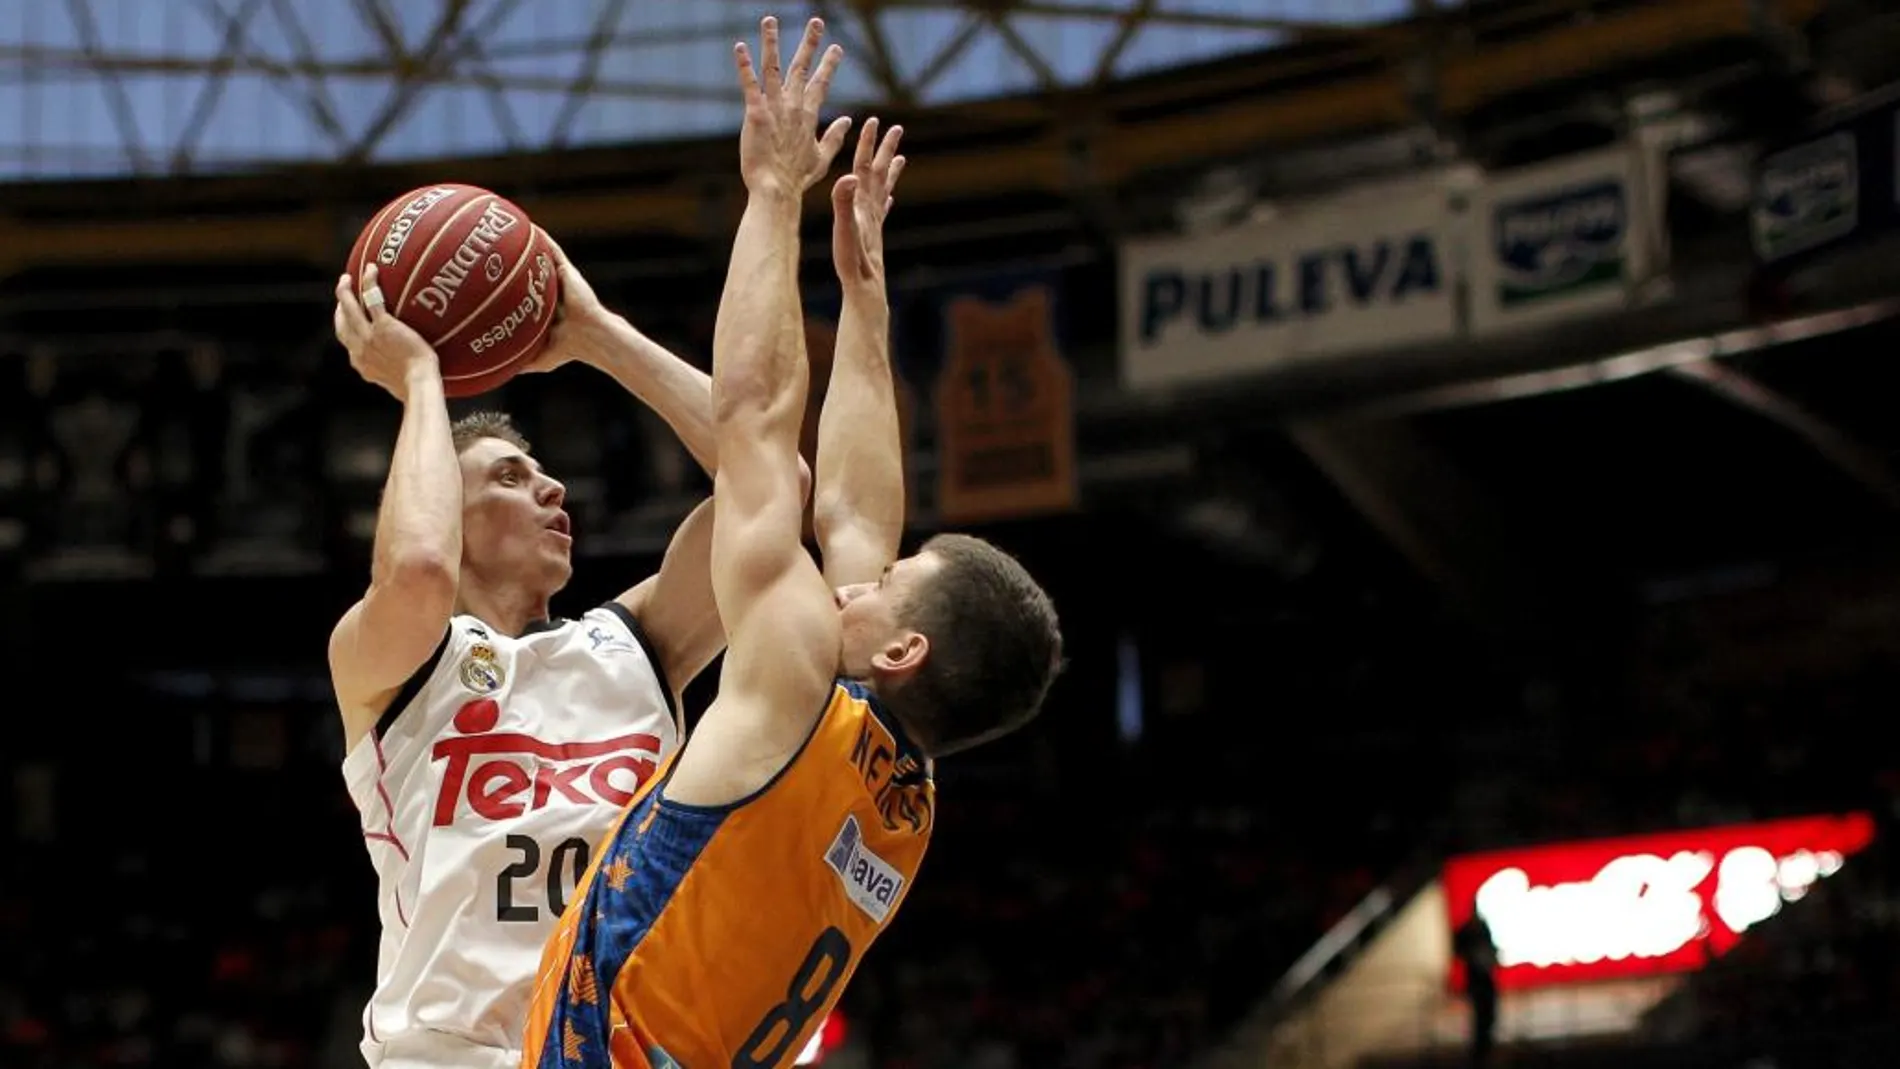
481,670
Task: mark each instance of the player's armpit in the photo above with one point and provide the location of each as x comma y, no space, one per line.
781,664
676,608
383,639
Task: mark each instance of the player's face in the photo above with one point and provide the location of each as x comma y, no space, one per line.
875,640
513,527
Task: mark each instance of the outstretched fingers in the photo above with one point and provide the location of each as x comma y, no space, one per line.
844,194
819,87
768,53
891,177
748,77
807,48
887,148
832,141
867,149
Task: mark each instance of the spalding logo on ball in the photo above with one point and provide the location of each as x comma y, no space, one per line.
471,273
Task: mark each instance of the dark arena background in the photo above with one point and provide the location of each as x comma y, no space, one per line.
1460,440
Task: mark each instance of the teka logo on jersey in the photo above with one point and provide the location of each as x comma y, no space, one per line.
506,774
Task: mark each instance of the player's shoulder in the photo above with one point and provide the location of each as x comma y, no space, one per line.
465,642
622,625
612,628
611,615
460,640
466,628
614,613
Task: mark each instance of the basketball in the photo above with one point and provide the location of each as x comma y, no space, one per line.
471,273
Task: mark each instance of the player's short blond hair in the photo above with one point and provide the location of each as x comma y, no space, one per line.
478,425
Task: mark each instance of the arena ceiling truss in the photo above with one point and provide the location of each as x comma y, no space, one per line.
114,87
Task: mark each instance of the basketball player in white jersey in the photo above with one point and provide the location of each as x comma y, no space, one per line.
489,745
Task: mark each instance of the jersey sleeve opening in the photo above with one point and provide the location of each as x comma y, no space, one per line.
413,685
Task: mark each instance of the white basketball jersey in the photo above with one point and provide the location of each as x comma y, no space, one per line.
483,791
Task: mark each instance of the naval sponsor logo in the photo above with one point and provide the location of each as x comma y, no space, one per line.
871,883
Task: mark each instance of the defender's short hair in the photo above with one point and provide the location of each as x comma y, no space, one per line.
478,425
995,647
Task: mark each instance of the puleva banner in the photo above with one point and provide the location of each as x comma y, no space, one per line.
1559,240
1370,269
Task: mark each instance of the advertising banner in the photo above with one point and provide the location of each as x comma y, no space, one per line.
1362,271
1824,190
1613,908
1559,240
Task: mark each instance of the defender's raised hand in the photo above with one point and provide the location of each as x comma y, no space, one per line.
777,149
859,203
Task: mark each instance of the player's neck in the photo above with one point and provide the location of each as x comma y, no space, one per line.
508,610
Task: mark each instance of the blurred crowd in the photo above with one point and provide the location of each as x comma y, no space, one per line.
1091,902
200,916
1831,965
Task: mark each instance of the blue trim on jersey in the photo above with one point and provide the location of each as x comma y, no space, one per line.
652,852
884,716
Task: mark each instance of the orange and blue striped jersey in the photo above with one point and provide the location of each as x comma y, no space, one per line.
715,937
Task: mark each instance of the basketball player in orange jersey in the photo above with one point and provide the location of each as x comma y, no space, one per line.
489,746
723,916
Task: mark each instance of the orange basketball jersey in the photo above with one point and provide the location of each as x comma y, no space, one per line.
708,938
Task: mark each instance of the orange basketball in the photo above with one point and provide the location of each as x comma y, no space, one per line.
471,273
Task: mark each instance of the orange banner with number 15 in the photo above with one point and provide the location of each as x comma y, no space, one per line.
1005,411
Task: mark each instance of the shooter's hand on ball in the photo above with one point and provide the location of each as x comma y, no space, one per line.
859,203
777,152
581,324
382,348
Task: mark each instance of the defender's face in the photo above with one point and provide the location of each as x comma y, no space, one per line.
513,526
875,640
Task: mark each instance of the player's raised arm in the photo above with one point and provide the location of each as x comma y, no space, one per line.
384,638
858,502
781,620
